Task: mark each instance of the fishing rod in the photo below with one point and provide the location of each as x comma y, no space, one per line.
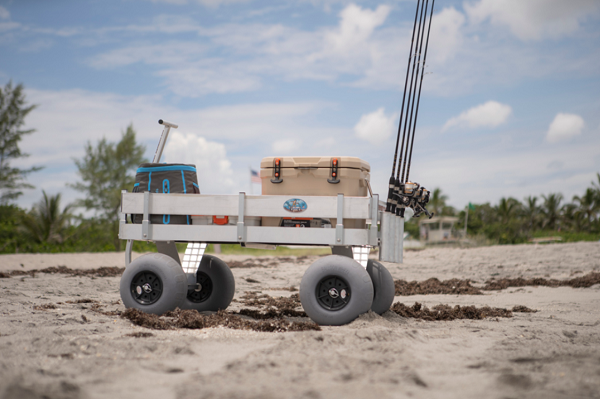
411,105
412,195
398,183
420,87
393,184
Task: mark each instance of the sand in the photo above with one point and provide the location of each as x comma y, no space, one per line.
73,351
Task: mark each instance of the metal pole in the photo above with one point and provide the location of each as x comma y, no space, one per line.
466,219
163,139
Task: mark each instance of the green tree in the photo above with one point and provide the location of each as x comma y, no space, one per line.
437,201
531,213
572,218
551,210
13,110
46,223
10,220
105,170
588,206
507,209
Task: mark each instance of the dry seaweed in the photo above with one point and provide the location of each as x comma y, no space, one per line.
147,320
140,334
523,309
85,300
192,319
579,282
291,289
45,306
96,307
99,272
446,312
272,307
455,286
4,275
434,286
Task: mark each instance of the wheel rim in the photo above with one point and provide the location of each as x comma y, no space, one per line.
146,288
204,288
333,293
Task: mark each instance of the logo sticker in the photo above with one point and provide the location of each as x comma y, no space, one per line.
295,205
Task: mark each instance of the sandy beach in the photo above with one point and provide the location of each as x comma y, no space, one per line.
61,335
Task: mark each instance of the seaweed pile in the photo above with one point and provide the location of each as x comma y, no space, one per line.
105,271
447,313
192,319
464,287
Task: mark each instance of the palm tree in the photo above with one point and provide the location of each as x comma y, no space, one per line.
551,210
572,218
45,223
506,209
531,212
437,201
587,205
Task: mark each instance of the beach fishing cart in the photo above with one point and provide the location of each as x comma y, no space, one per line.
334,290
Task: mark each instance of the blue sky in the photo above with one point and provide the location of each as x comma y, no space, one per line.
511,106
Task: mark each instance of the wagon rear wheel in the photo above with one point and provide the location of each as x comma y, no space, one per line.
335,290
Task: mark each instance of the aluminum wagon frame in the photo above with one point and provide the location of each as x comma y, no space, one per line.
334,290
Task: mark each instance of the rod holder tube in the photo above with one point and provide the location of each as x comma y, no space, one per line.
386,251
399,242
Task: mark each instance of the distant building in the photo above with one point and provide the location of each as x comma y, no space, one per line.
439,229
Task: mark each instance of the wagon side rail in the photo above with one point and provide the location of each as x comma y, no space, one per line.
242,206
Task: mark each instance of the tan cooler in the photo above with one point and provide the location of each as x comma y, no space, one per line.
315,176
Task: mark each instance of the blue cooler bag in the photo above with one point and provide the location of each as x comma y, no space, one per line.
166,178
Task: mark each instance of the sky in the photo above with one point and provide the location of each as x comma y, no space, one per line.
510,103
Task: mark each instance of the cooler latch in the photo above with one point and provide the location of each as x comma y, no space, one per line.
277,171
334,172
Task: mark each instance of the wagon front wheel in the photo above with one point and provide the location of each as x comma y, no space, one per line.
335,290
153,283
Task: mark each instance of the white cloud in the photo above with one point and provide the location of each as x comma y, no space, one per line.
256,50
564,127
66,120
446,34
285,146
207,3
356,27
158,54
533,19
489,115
212,165
4,14
376,127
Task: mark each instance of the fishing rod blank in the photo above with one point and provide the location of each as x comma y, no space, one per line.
420,87
410,91
414,94
393,181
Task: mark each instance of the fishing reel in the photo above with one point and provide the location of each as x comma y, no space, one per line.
412,195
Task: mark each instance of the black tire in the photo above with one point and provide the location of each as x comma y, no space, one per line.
217,286
353,293
163,279
383,286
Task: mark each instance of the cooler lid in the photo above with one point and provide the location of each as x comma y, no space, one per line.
316,162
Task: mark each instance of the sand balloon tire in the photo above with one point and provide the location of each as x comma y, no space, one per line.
335,290
153,283
383,286
216,286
